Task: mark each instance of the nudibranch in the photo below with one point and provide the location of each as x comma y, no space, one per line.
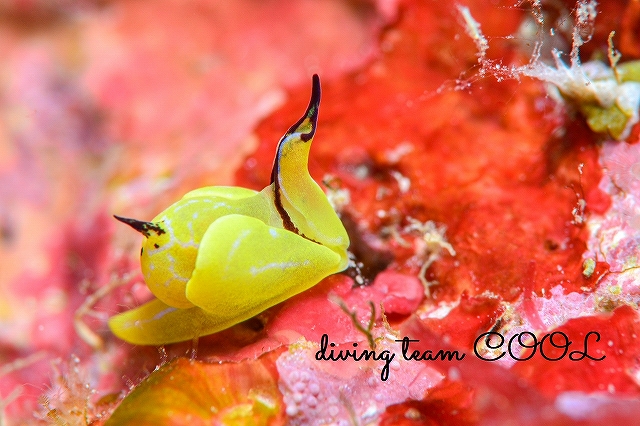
221,255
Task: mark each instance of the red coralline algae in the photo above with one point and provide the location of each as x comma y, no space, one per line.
476,164
615,374
462,325
447,403
312,314
501,395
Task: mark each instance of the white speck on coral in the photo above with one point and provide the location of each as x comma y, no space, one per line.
454,374
336,391
312,401
314,388
292,410
404,183
395,155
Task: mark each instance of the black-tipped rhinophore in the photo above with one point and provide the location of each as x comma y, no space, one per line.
311,114
141,226
312,111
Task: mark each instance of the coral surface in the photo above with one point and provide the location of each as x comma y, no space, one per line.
478,199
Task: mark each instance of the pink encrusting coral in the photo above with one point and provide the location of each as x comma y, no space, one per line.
615,236
333,392
45,330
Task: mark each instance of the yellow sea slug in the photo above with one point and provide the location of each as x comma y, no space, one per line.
221,255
